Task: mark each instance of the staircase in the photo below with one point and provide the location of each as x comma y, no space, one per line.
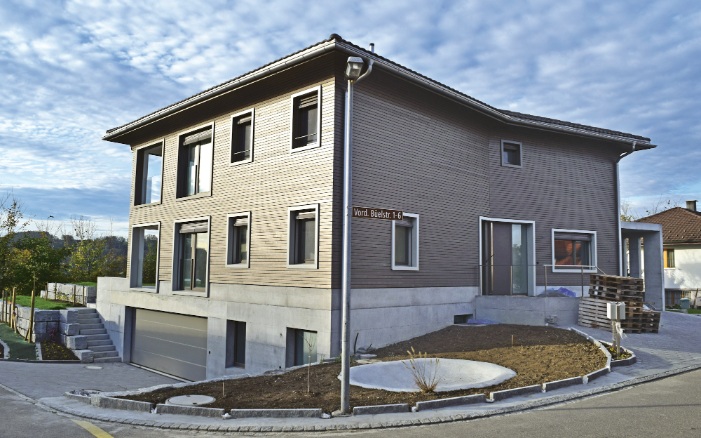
90,341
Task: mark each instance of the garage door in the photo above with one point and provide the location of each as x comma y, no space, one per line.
171,343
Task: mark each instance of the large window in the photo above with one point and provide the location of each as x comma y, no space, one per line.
195,162
235,344
510,154
574,250
242,137
192,243
303,236
237,250
405,243
668,257
149,171
306,119
144,256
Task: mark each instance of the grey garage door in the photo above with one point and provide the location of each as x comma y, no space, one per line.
172,343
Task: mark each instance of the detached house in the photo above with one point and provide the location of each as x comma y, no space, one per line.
236,214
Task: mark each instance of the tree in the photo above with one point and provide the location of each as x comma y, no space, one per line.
11,221
37,261
86,255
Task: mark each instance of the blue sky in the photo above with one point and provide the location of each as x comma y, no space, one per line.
70,70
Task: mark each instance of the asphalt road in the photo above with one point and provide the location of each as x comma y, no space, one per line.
664,408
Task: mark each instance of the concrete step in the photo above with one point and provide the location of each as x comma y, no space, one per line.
84,310
91,326
102,347
89,320
95,331
93,338
107,359
97,354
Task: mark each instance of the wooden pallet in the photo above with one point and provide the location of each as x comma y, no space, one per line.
592,313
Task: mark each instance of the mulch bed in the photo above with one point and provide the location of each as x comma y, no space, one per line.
51,350
537,354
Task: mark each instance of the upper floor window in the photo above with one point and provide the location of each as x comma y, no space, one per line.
195,162
192,255
303,236
242,137
668,257
510,154
405,243
149,174
306,119
237,253
574,250
144,256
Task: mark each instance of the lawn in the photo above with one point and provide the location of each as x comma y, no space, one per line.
19,348
42,304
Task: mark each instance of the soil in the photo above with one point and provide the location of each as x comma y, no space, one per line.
51,350
537,354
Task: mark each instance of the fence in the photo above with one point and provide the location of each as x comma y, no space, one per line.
520,277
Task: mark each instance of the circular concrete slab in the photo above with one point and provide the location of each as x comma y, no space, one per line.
452,374
190,400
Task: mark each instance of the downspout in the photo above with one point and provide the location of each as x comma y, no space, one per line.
618,213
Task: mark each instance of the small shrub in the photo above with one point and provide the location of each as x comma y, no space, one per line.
423,370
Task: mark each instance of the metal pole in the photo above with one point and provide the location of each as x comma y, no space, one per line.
346,271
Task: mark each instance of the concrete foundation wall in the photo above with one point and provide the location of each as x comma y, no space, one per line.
558,311
378,317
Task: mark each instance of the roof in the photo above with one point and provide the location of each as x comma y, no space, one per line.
335,42
679,225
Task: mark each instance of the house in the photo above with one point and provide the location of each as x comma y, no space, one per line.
236,214
681,234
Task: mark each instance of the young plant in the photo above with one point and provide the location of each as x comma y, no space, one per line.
423,370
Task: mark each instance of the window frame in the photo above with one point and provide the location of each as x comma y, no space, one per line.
135,245
571,268
176,280
138,172
230,240
234,118
504,162
414,265
292,237
292,347
180,174
669,262
293,118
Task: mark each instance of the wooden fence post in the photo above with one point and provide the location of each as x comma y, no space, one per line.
2,315
30,329
74,294
13,317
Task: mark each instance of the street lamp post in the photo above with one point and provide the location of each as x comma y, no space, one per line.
353,71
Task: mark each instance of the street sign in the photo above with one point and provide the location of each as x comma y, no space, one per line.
378,213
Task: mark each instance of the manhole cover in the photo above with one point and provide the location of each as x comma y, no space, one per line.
190,400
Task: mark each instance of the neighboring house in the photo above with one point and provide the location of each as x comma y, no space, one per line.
236,214
681,235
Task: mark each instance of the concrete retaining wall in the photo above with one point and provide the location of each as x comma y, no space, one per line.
72,293
46,323
539,311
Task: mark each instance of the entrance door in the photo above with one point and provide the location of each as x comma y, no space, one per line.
505,267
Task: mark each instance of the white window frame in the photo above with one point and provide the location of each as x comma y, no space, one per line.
573,269
520,154
175,276
230,238
243,113
178,170
317,90
291,235
138,184
135,244
414,266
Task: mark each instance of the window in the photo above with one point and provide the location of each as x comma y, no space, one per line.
301,347
242,137
510,154
144,256
574,249
405,243
235,344
669,258
192,246
195,162
303,237
305,119
149,171
237,244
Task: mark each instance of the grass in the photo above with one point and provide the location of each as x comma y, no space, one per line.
87,283
42,304
19,348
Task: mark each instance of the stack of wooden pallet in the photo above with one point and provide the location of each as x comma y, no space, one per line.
607,288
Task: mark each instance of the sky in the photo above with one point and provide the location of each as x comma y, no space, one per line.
70,70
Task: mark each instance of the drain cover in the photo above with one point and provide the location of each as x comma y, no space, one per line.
93,367
190,400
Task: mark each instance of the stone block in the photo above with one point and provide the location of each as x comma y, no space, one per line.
46,315
189,410
85,356
398,408
69,329
500,395
77,342
275,413
119,403
446,402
